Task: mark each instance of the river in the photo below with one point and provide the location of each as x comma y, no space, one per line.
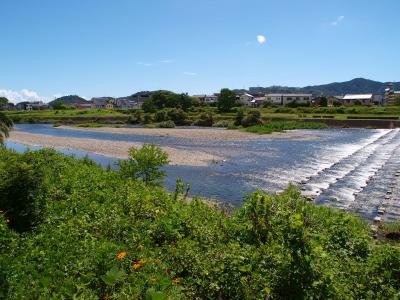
351,169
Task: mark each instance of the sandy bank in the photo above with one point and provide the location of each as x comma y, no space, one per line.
195,133
110,148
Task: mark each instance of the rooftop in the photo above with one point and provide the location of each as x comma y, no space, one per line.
357,96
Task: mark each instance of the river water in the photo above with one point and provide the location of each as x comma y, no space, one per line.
352,169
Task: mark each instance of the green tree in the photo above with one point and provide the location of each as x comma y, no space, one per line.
5,126
149,106
323,102
144,164
239,116
3,100
226,100
58,105
253,118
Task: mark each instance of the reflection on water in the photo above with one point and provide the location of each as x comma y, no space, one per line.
343,168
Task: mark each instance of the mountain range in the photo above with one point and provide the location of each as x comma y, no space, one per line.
354,86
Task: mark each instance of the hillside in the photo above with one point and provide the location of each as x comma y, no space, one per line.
68,100
354,86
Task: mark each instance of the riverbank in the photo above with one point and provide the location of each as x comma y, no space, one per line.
111,148
206,133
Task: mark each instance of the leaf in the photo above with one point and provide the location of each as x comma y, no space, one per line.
152,294
113,275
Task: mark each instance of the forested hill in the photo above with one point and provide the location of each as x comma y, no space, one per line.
68,100
354,86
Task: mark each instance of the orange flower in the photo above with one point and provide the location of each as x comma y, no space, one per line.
177,280
141,262
136,266
121,255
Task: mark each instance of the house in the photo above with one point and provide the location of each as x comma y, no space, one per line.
125,103
100,102
246,99
82,105
390,95
284,99
207,99
358,99
109,105
7,106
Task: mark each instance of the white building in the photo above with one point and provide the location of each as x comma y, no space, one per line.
284,99
207,99
358,99
246,99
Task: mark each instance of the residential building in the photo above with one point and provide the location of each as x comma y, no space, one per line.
7,106
358,99
284,99
82,105
207,99
246,99
390,95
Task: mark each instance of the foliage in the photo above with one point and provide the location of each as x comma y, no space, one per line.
5,126
58,105
178,116
323,102
277,126
239,117
166,124
104,236
166,99
397,100
3,100
252,118
149,106
205,119
226,100
144,164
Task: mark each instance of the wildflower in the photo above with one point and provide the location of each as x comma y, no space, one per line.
177,280
121,255
1,211
7,221
141,262
140,247
136,266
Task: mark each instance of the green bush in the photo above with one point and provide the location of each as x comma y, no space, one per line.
278,126
101,235
205,119
178,116
144,164
166,124
252,118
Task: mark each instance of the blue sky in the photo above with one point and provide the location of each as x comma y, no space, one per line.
117,47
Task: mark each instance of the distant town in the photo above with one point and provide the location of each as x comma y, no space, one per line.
253,97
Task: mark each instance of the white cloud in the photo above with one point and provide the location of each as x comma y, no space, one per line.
144,64
337,21
261,39
167,61
189,73
23,95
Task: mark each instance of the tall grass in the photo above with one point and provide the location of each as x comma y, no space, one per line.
278,126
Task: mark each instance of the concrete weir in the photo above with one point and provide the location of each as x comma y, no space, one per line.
366,182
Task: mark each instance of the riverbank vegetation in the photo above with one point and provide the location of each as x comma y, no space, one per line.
71,229
279,126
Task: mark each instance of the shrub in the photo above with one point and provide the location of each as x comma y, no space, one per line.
252,118
144,164
178,116
166,124
161,115
205,119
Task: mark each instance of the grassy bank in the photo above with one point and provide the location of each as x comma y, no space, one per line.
278,126
70,229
